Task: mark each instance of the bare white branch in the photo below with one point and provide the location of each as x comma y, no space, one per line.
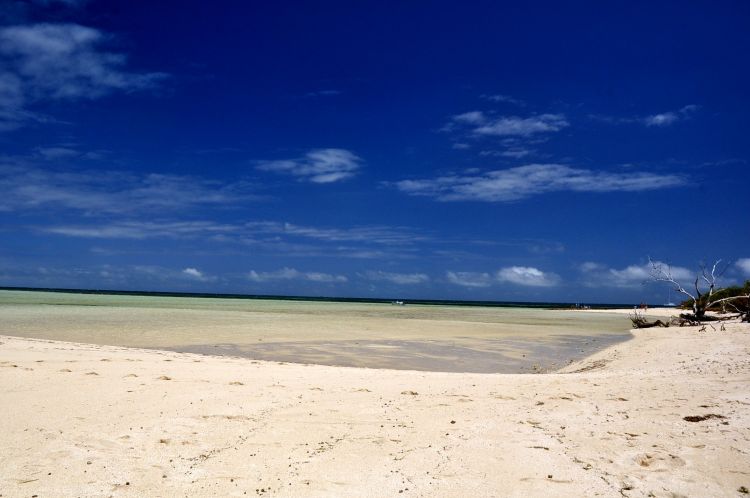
700,301
661,274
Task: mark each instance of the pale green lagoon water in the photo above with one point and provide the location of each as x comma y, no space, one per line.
418,337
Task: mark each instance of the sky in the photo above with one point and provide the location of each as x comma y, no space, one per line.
525,151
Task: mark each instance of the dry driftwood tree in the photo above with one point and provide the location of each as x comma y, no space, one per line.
704,296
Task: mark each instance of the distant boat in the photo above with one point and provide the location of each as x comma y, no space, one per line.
397,303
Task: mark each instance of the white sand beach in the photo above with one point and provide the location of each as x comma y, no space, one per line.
93,420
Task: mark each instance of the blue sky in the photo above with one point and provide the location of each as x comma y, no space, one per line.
528,151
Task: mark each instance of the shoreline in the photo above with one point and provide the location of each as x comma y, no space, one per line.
458,339
100,420
320,299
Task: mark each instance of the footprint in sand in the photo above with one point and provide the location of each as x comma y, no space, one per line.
659,461
130,375
65,370
91,373
164,377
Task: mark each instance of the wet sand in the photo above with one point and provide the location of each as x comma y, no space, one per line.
430,338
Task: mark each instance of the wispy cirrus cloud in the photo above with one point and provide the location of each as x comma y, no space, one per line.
397,278
376,235
44,62
469,279
57,152
24,187
316,166
600,275
505,99
144,276
515,134
372,234
479,123
66,152
293,274
534,179
670,117
658,120
470,118
323,93
267,237
517,152
524,127
139,230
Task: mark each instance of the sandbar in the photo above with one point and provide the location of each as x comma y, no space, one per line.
664,414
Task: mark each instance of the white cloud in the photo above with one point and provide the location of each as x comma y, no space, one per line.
517,126
361,238
671,117
24,187
54,153
480,124
317,166
373,234
63,61
324,277
59,62
659,120
600,275
528,276
234,237
506,99
664,119
744,266
96,275
525,181
469,279
591,266
159,273
144,230
516,152
397,278
292,274
515,133
270,237
195,274
630,275
471,117
12,103
192,272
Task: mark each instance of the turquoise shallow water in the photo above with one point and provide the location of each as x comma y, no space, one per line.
378,335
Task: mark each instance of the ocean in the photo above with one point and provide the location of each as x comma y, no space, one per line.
421,335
